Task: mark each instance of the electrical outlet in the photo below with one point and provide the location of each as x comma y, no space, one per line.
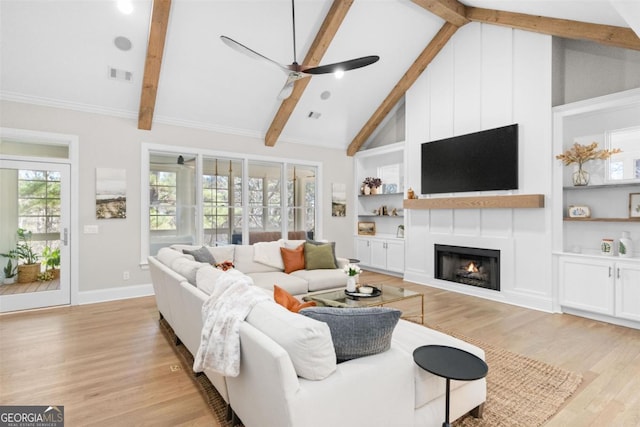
125,275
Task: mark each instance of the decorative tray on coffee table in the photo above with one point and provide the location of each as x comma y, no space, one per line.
356,295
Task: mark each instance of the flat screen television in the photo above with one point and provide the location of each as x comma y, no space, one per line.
480,161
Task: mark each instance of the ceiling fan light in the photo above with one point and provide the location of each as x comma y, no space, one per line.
339,73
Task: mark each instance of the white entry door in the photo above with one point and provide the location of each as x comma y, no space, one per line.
35,198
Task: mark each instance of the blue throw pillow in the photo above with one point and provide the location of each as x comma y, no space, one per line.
357,332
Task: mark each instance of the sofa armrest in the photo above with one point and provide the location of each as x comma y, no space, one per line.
342,262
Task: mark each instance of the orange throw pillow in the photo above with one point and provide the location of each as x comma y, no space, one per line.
293,259
288,301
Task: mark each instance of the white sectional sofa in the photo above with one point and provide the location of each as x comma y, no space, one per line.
281,350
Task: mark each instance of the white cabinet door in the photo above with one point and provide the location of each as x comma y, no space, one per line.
395,256
587,284
628,290
363,251
379,254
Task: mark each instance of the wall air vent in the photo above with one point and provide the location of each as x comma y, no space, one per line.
121,75
314,115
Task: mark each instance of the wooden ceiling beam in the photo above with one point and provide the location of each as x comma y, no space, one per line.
155,49
412,74
319,47
604,34
451,11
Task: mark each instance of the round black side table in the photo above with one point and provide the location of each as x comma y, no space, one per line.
450,363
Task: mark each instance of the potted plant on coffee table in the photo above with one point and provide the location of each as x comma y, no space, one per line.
30,268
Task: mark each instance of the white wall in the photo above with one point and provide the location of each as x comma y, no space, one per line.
106,141
487,76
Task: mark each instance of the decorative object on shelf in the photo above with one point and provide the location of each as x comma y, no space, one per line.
634,205
580,154
625,245
372,183
367,190
352,270
389,189
579,211
411,194
606,247
366,228
394,212
383,210
400,232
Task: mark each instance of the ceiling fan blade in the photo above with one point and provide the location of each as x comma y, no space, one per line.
351,64
250,52
287,89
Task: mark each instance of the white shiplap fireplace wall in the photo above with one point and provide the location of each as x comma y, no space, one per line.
486,77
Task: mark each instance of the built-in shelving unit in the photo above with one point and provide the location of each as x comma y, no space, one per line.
591,284
385,250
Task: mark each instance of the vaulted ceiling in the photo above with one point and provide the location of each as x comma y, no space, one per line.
62,53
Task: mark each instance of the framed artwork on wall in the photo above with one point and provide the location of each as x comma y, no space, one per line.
366,228
634,205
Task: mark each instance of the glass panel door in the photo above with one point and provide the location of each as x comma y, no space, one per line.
34,235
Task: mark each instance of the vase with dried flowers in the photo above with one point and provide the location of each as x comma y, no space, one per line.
372,184
580,154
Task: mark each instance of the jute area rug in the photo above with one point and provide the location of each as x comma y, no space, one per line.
521,392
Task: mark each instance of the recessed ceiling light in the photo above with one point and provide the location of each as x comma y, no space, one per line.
125,6
325,95
122,43
339,74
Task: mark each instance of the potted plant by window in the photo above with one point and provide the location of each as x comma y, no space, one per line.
30,268
9,272
51,261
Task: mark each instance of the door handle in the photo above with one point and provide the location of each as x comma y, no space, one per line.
65,236
618,272
609,271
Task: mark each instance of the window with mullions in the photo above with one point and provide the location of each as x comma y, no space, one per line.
221,200
162,200
39,206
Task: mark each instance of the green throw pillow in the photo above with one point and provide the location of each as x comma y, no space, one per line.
318,256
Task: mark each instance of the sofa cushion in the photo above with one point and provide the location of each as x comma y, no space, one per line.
222,253
318,257
307,341
288,301
268,253
243,260
292,284
168,255
293,259
318,280
187,268
206,277
201,255
357,332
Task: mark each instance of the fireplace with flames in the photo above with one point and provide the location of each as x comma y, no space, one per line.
470,266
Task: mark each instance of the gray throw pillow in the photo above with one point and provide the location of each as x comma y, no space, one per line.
332,244
357,332
201,255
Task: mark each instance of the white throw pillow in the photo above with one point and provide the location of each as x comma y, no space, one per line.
268,253
307,341
222,253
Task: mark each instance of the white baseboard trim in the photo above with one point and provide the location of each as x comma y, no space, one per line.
113,294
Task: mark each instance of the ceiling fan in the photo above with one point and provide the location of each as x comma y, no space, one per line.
297,71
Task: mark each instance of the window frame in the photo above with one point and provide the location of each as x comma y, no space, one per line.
147,148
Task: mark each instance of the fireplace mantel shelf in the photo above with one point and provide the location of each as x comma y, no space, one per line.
477,202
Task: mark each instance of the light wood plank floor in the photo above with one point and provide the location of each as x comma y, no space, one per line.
109,364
